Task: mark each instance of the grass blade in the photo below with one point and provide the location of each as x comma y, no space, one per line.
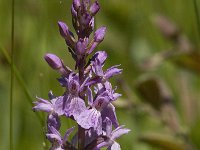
12,73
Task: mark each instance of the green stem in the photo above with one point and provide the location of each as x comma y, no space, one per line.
81,131
12,74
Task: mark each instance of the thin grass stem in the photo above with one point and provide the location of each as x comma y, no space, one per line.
12,73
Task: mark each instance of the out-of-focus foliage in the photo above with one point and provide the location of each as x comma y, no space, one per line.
155,41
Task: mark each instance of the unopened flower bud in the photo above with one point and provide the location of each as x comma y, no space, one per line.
73,12
66,34
81,46
94,8
76,4
85,4
85,19
53,61
99,34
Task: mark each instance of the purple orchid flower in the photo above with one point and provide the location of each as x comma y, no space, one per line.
107,86
97,117
112,136
56,139
104,76
52,106
97,63
91,118
73,105
100,108
109,110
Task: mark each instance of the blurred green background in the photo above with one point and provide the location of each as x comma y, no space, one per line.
160,58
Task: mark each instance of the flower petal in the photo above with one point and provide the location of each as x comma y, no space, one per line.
112,72
119,132
90,96
97,68
109,112
101,145
101,102
115,146
101,56
54,135
66,34
94,8
90,136
53,120
76,4
43,105
99,34
90,118
54,138
108,126
75,107
81,46
68,132
85,19
53,61
58,106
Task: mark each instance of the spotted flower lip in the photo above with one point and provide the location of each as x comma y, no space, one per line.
100,109
91,118
73,105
